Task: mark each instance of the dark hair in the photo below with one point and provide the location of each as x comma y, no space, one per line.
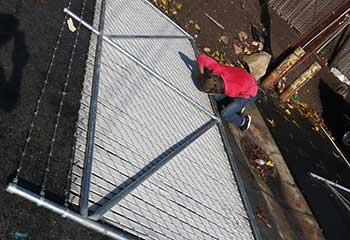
212,84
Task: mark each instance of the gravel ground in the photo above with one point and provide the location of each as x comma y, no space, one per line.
29,31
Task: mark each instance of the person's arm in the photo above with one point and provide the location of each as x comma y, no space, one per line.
206,61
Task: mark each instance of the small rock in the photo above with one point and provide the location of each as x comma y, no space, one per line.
224,39
258,63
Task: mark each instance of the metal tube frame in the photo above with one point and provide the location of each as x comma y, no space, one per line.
340,197
114,232
335,146
91,222
84,200
145,175
141,64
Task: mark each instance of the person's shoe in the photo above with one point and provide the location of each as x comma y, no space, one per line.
242,111
246,123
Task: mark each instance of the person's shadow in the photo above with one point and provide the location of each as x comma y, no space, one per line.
265,20
193,67
10,87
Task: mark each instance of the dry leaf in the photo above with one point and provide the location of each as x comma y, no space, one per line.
197,27
164,2
71,26
178,6
271,122
290,106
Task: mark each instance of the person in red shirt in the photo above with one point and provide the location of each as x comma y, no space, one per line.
224,81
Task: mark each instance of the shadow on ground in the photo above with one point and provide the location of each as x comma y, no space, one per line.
305,151
10,86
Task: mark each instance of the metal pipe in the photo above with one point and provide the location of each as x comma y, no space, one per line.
329,182
312,39
335,146
334,36
114,233
340,197
149,172
144,66
84,200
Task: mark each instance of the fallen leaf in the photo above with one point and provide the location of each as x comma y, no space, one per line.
287,111
164,2
197,27
295,123
316,129
271,122
71,26
290,106
269,163
178,6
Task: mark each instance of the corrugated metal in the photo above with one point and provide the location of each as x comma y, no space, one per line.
195,195
304,14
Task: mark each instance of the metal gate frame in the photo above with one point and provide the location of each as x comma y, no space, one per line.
92,221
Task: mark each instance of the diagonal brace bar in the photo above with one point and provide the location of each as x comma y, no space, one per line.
85,190
144,66
146,174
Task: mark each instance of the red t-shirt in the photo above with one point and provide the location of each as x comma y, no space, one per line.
238,82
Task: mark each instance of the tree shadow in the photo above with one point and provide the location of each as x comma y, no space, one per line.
193,66
9,88
265,20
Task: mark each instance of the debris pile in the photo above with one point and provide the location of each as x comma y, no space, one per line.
259,161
